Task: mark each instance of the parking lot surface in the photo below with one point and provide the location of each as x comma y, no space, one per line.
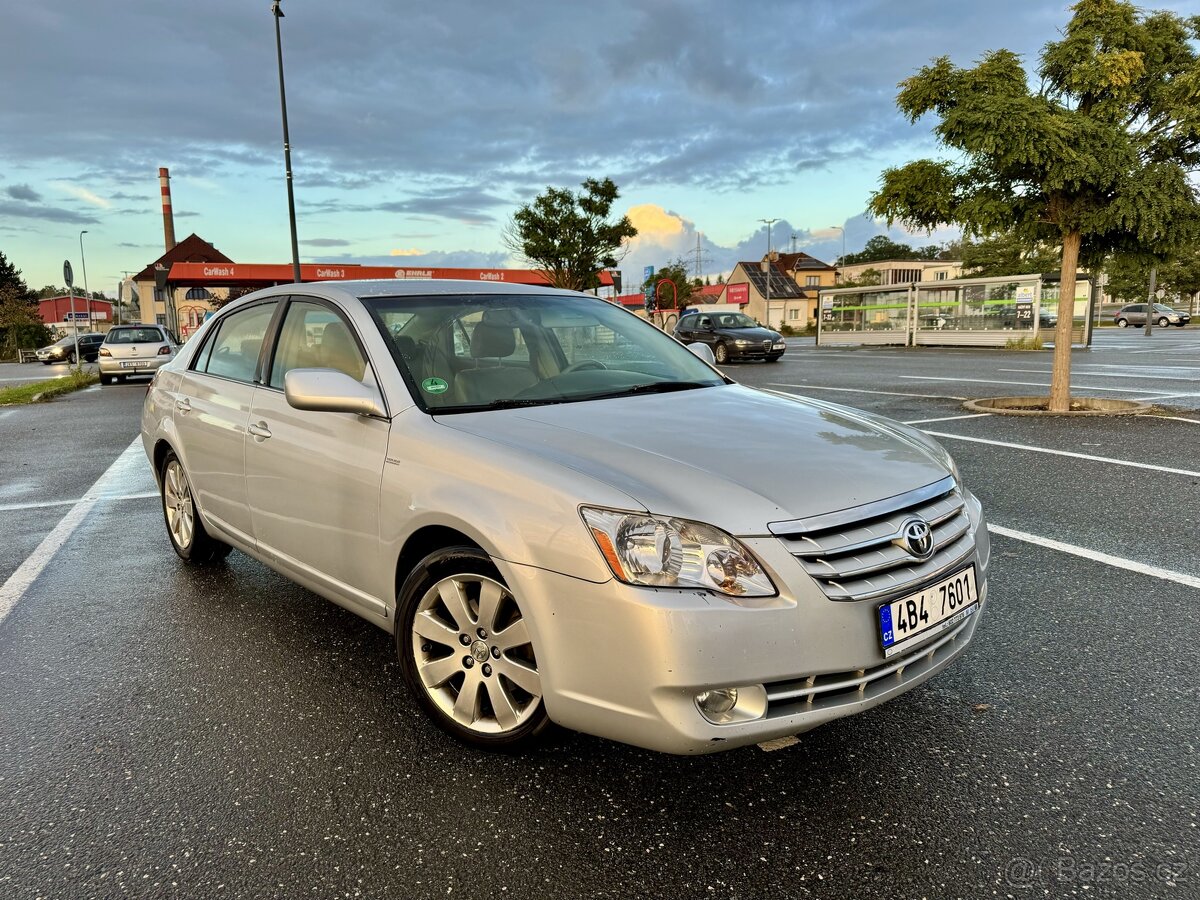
168,732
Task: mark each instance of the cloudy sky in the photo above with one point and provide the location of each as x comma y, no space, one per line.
417,128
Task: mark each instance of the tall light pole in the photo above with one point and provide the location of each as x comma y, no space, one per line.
86,292
287,147
842,258
770,265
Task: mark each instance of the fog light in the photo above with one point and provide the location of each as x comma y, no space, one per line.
717,703
730,705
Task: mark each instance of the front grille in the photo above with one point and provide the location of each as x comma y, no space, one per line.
855,554
766,345
798,695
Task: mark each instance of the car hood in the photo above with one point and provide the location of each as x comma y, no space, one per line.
749,334
731,456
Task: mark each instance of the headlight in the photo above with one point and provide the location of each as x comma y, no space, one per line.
659,551
742,343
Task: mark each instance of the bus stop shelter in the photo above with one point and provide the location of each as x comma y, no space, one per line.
965,312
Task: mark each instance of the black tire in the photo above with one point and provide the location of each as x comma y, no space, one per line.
106,379
120,379
47,362
71,359
721,353
193,544
467,563
775,358
1122,323
1163,322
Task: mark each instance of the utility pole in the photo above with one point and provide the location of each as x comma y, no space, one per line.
277,12
770,265
1150,300
700,254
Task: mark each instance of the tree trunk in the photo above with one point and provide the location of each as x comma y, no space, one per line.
1060,374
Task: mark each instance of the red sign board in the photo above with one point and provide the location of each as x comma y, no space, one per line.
737,293
258,273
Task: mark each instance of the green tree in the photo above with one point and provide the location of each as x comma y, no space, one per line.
1007,253
20,324
676,272
569,236
11,280
1094,160
1129,276
879,248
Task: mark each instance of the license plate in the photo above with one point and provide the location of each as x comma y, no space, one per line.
928,611
780,346
136,364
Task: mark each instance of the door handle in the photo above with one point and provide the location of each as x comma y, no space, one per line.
260,431
184,405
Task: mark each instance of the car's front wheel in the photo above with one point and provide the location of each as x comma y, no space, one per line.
721,353
466,651
184,527
1163,322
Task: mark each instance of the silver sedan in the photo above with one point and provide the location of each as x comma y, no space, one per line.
563,515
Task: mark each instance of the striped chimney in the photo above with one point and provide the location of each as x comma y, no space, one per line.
164,183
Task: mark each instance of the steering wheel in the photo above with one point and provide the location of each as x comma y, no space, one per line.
583,364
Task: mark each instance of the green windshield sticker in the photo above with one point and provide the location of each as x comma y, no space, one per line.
434,386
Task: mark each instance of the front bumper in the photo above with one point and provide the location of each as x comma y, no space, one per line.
111,366
626,663
754,351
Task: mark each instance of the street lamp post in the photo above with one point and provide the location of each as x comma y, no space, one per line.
770,265
86,293
287,147
842,258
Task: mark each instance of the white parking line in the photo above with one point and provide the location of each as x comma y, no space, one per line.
821,387
1104,459
1074,387
13,589
46,504
1115,561
1112,374
946,418
1172,418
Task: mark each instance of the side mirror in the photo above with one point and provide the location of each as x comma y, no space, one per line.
704,352
328,390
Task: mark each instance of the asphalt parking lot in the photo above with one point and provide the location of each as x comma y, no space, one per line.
174,733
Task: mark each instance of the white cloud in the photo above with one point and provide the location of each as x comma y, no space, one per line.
83,194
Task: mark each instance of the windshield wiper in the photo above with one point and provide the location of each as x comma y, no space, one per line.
653,387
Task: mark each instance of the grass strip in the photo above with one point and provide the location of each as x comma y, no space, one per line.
48,389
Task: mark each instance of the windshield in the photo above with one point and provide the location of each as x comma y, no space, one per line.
462,353
734,320
135,336
1161,308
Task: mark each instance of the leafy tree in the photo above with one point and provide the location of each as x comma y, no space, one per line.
1095,159
879,248
1007,253
11,281
569,236
1129,276
677,272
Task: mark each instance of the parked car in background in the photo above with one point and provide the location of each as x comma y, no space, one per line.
134,350
1135,314
564,516
64,350
731,336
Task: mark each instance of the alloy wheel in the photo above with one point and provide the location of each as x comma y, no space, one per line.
177,501
474,656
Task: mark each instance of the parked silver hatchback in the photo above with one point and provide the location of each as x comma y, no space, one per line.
134,350
511,481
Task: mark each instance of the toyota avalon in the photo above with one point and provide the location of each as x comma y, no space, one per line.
510,481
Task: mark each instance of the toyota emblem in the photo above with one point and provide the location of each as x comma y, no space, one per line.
916,537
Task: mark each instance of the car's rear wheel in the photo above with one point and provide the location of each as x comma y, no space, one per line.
1122,323
721,353
106,379
184,527
466,652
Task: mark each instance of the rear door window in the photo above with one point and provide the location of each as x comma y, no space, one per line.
233,351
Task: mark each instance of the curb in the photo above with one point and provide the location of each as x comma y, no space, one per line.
1080,406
